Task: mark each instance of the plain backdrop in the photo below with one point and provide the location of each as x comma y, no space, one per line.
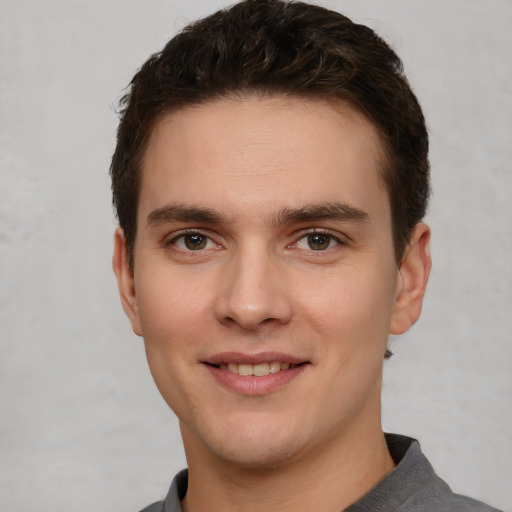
82,426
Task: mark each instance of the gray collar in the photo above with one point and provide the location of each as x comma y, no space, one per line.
411,486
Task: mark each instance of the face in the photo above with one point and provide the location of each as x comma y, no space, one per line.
265,284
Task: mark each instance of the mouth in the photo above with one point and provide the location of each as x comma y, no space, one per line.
257,370
255,374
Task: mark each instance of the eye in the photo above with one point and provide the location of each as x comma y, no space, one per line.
317,241
193,242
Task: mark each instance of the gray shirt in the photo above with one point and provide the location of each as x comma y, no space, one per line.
411,486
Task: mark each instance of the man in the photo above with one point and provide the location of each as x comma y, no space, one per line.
270,178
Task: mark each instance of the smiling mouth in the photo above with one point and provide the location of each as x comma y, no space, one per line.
257,370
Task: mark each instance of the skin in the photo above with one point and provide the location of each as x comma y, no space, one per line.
261,282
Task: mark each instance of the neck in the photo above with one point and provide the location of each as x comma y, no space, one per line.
328,478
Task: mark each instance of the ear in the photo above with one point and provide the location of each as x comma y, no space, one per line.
125,281
412,281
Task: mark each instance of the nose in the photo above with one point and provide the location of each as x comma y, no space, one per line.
253,291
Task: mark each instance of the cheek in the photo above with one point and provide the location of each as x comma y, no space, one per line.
351,306
174,321
171,309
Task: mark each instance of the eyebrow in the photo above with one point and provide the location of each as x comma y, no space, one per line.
313,212
173,213
323,211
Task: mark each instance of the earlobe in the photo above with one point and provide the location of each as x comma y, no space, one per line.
413,277
125,281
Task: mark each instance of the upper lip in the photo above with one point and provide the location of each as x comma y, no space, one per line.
261,357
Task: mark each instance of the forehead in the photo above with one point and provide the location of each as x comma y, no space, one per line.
262,151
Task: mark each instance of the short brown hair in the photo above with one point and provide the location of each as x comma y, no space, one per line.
275,46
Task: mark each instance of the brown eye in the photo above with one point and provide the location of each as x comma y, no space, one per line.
195,241
192,241
319,241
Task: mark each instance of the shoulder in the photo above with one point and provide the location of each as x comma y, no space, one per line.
426,491
471,505
176,493
413,486
440,498
154,507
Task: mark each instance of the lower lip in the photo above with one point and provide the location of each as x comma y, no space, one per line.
252,385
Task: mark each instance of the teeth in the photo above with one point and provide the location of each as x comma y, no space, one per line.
274,367
245,369
261,369
258,370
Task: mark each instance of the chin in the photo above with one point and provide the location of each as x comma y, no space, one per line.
252,446
260,454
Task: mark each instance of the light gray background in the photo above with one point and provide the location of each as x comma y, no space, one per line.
82,426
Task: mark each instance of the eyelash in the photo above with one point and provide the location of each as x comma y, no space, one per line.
191,232
325,232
